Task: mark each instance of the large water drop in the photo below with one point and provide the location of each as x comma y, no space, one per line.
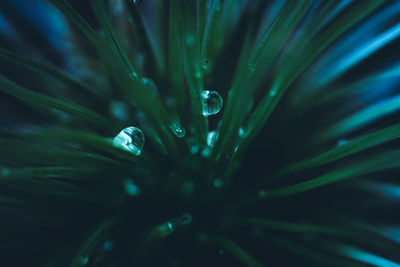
211,102
130,139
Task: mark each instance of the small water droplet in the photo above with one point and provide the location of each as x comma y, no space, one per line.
166,228
211,102
130,139
194,149
218,183
83,260
108,245
205,65
241,132
206,152
134,75
119,110
211,138
150,85
186,218
5,172
272,92
177,129
136,2
131,188
341,142
262,193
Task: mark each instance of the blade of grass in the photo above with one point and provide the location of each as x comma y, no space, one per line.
37,99
96,239
350,147
361,118
290,71
254,69
154,65
47,69
377,163
235,250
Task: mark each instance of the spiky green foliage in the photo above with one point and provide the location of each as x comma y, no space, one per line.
299,168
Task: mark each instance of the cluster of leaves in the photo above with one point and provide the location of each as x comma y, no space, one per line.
311,100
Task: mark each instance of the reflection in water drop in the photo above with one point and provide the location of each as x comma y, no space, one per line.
211,102
130,139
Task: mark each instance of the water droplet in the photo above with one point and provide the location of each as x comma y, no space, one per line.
108,245
218,183
241,132
177,129
5,172
211,138
194,149
272,92
134,75
130,188
211,102
206,152
186,218
130,139
83,260
136,2
262,193
119,110
205,65
150,85
341,142
166,228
